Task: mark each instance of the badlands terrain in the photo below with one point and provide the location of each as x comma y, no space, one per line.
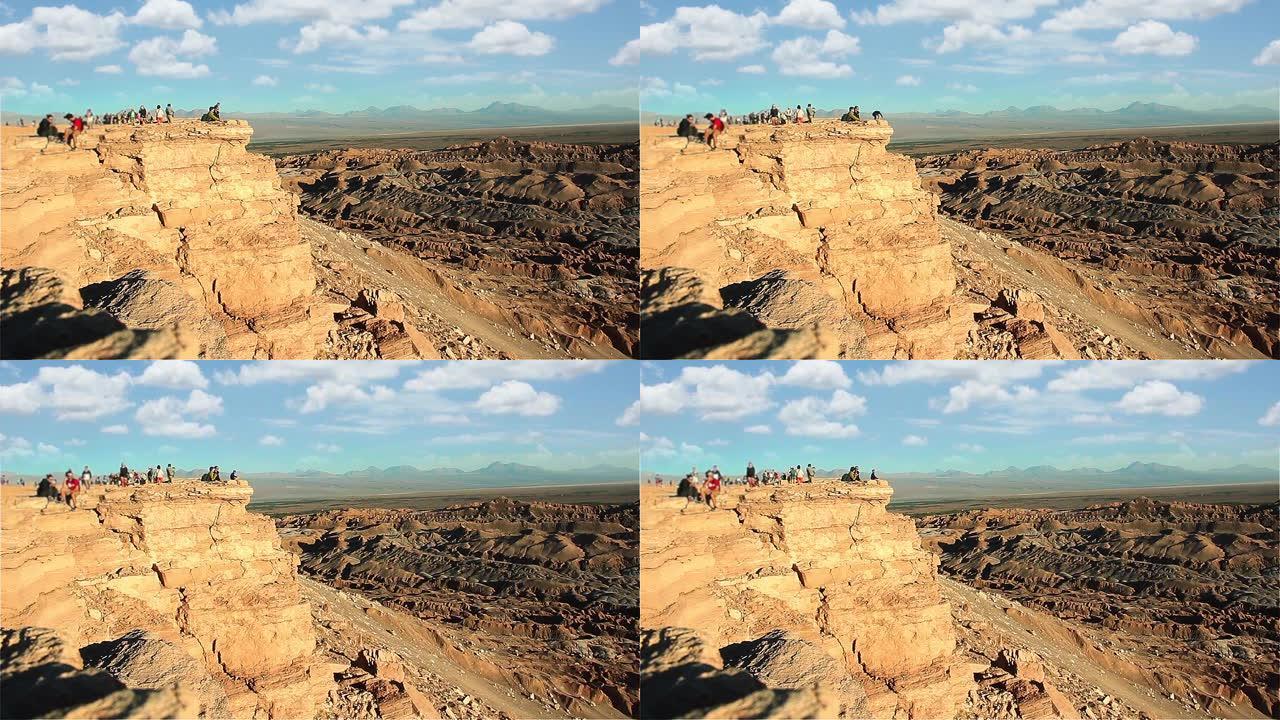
1142,601
173,601
815,601
173,240
816,241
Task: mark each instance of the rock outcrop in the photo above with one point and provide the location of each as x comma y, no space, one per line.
821,564
167,573
186,204
825,205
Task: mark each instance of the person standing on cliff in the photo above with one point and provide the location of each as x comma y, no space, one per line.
168,472
809,471
86,477
810,112
751,474
168,112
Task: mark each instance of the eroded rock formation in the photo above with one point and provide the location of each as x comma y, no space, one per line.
1176,237
167,583
540,597
1180,598
185,203
780,572
539,237
818,224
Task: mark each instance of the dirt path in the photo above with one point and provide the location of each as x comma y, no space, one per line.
1056,293
1151,701
394,630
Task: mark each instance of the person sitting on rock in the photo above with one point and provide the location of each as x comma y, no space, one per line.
685,488
235,475
688,129
852,115
217,474
711,489
713,131
800,115
151,474
208,476
852,476
47,490
873,474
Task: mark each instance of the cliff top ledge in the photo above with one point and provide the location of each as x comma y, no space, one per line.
24,139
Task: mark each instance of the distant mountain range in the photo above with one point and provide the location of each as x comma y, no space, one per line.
946,124
958,484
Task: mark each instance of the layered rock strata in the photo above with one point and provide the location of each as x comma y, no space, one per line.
824,205
186,204
180,569
824,564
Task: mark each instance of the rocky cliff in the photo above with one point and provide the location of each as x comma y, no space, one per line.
814,232
817,577
165,221
177,576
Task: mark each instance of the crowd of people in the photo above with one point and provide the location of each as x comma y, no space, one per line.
688,128
78,124
705,489
71,485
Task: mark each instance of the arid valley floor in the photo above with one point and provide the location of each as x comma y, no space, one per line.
815,601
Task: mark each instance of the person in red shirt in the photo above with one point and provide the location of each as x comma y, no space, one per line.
712,488
70,488
713,130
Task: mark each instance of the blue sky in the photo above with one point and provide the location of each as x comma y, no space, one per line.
925,416
332,55
970,55
333,416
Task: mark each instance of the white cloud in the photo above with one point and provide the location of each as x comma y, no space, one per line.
484,373
265,81
1270,54
811,15
11,447
816,375
975,392
507,37
657,446
167,14
752,69
962,87
327,447
1085,59
109,69
321,88
336,392
908,80
969,447
657,87
1091,419
709,33
758,429
461,14
72,392
1157,397
1153,38
1272,417
1098,14
115,429
965,33
934,371
66,33
951,11
915,441
715,393
328,35
1112,374
271,441
162,56
46,449
514,397
173,374
336,11
814,417
171,417
810,57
